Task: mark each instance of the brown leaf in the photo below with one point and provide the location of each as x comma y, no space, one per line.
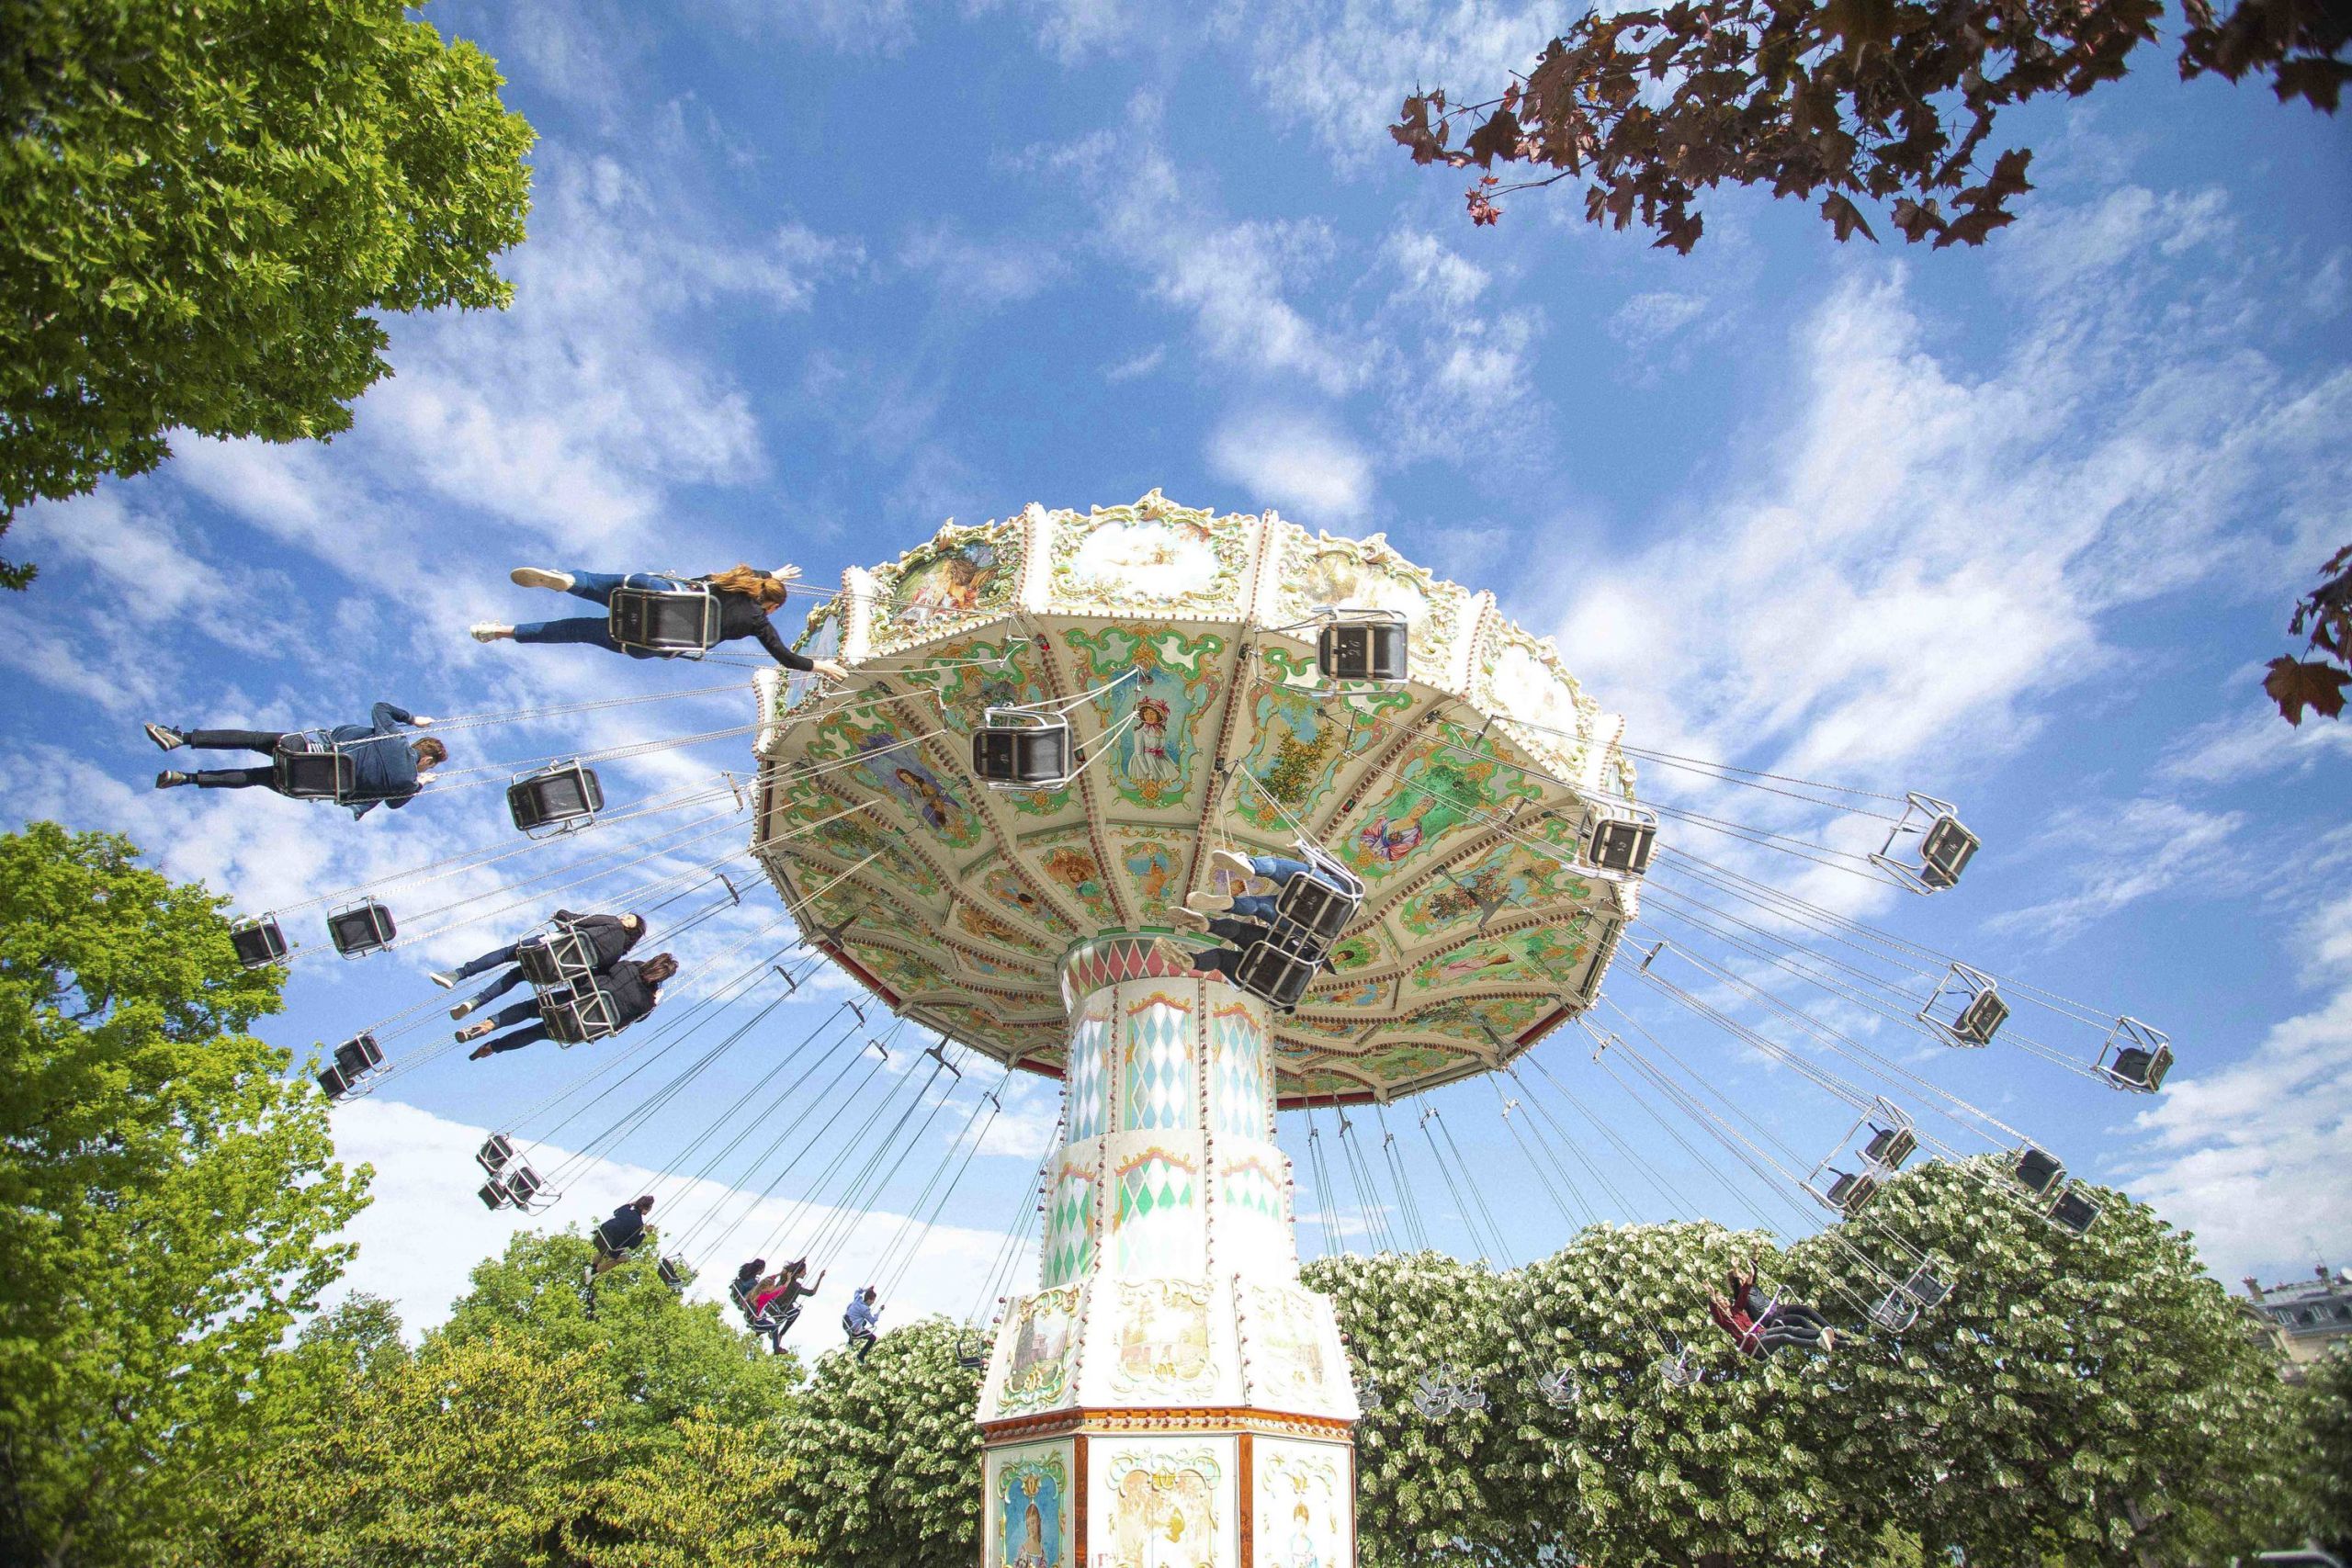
1863,24
1845,218
1497,137
2295,684
1917,222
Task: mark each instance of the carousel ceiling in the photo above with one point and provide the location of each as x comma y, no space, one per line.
1459,798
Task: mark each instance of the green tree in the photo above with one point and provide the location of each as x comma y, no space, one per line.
200,206
2076,1399
1424,1488
171,1197
887,1459
2322,1408
1630,1468
1861,100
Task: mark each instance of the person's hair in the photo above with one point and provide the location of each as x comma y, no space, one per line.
756,1266
430,752
633,915
645,1204
752,584
658,968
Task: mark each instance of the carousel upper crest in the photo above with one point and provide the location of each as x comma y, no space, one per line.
1468,798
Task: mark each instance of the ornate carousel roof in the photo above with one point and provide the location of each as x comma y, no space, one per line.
1459,798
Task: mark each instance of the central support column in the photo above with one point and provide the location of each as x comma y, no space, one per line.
1173,1396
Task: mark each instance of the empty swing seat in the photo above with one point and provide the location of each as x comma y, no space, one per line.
1890,1147
496,1151
1980,1019
674,1272
1926,1289
308,774
493,1194
2038,1173
679,621
1894,1311
971,1351
1276,971
1014,750
332,1082
2138,1069
1618,843
1945,852
556,960
259,942
1371,647
521,1184
362,929
1849,1192
358,1055
555,799
575,1017
2073,1212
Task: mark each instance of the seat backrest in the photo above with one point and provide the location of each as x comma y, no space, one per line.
673,620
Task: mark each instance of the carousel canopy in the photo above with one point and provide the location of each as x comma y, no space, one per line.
1183,646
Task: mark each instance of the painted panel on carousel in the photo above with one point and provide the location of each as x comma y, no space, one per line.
1161,1502
1087,1082
1253,1233
1152,860
1162,1339
1538,955
1239,1102
1300,738
1286,1330
1065,856
1030,1506
1043,1333
1506,880
1167,683
1073,1219
1159,1079
877,756
958,574
1520,677
1156,1219
1176,557
1447,780
907,974
1001,885
984,926
1366,574
1470,1018
1302,1516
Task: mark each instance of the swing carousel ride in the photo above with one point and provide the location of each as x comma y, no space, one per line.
1061,727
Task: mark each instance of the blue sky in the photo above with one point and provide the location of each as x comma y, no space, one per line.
2016,526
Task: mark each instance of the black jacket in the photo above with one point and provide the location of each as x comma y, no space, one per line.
606,933
632,998
625,1229
741,616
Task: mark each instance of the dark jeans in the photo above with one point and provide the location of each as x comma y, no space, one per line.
518,1012
261,740
487,961
863,1341
1219,961
596,587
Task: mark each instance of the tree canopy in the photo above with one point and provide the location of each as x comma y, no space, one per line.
201,204
1864,101
171,1196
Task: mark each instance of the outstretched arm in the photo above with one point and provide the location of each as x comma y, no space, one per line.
386,715
773,641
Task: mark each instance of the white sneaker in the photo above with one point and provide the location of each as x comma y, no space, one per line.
1206,904
461,1009
1192,918
1236,863
490,631
540,577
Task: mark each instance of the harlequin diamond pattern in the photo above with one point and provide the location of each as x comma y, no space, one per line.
1250,1190
1156,1200
1089,1061
1237,1073
1070,1227
1158,1084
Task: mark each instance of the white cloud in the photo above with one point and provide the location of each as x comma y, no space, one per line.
1342,71
2254,1156
1648,320
1143,364
2118,853
984,277
1294,460
2252,743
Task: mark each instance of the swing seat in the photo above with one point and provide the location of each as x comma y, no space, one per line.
1980,1019
1849,1192
1890,1147
1321,901
1014,749
495,1151
679,622
2038,1173
358,1055
260,942
1894,1313
2072,1211
333,1083
574,1018
555,799
1620,844
522,1184
674,1272
362,929
1945,852
1273,971
1370,646
302,771
1678,1373
2140,1070
559,960
971,1351
493,1194
1924,1288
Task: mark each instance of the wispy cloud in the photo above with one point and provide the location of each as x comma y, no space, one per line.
1294,460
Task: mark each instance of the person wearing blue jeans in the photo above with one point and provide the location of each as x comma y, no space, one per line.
1251,873
746,596
609,936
